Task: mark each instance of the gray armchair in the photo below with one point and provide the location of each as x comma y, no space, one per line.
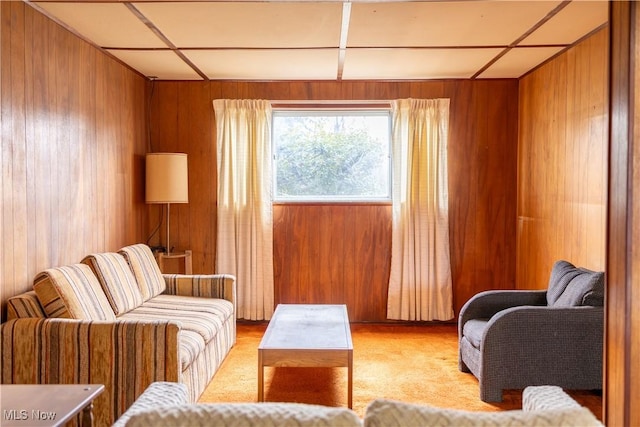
514,339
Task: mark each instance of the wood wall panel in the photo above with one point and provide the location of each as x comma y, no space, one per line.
354,240
562,163
73,133
622,371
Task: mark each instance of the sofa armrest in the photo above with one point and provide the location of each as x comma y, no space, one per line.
202,285
126,356
158,395
485,305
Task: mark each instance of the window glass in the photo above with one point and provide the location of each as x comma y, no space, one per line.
333,155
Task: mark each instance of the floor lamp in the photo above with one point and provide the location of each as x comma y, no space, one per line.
167,181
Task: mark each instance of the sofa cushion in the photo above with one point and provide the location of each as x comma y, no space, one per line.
72,291
246,415
389,413
571,286
473,330
190,345
202,315
145,270
117,281
24,305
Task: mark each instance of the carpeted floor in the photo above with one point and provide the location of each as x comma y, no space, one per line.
411,363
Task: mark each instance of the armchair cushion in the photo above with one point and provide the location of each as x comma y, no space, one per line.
145,270
117,281
72,291
473,330
571,286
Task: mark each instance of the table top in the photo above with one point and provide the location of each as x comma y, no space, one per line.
44,404
308,327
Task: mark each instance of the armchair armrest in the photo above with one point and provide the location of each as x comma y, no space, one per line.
546,397
126,356
564,343
485,305
515,326
158,395
202,285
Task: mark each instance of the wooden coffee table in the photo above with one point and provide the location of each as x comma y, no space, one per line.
307,335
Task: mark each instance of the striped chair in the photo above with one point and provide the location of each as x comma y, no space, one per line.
116,320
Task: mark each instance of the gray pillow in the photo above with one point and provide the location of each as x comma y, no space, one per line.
571,286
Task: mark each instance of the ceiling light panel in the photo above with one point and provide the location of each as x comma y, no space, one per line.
247,24
415,64
105,24
458,23
518,61
266,64
571,23
163,64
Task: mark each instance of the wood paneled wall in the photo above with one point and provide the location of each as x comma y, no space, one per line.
622,370
338,253
562,163
73,141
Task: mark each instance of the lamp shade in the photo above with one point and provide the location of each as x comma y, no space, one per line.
167,178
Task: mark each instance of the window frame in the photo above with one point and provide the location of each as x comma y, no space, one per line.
360,108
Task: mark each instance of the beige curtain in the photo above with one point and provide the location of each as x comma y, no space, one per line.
420,280
245,217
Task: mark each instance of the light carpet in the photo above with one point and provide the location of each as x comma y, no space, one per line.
411,363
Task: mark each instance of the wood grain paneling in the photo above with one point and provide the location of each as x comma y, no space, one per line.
622,371
333,254
73,135
340,253
562,163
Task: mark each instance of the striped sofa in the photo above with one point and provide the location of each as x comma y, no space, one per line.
115,319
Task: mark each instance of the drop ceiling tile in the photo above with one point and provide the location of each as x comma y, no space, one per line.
266,64
415,64
518,61
163,64
439,23
571,23
105,24
247,24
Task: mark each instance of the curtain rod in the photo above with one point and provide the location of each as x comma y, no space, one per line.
303,103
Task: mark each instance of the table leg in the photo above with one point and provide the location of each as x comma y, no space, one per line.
260,377
188,263
87,416
350,381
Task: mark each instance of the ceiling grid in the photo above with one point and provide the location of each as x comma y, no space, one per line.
329,40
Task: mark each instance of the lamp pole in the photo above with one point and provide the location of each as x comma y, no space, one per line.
168,216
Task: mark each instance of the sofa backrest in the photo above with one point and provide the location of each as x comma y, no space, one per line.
116,279
24,305
571,286
72,291
145,270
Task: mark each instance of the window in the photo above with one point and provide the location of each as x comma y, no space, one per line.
332,155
